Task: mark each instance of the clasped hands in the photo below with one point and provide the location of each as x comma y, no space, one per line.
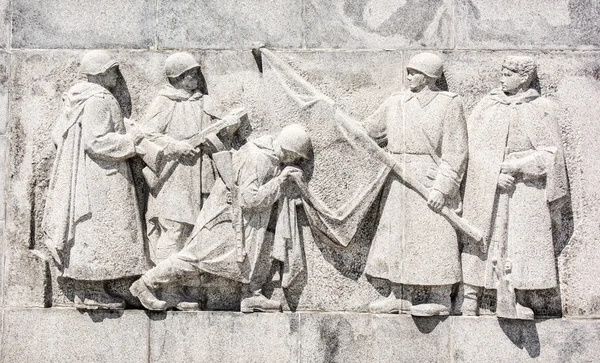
291,173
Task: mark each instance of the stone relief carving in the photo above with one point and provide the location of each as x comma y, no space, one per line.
92,223
179,171
516,178
231,237
424,129
220,205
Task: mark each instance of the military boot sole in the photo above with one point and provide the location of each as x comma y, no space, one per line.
148,300
424,312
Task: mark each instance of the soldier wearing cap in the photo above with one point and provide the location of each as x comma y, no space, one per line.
177,114
415,248
260,174
91,220
516,177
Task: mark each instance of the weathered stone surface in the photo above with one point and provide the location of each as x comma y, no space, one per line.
498,340
5,14
4,86
39,80
373,338
358,24
199,337
67,335
570,80
229,25
83,24
554,24
358,82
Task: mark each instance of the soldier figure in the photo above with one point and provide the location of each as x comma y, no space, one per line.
414,247
176,195
516,174
230,238
91,219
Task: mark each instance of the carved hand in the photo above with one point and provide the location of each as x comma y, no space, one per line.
180,149
436,200
510,167
506,181
290,173
135,133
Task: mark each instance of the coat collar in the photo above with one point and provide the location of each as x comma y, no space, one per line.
82,91
525,97
424,97
176,94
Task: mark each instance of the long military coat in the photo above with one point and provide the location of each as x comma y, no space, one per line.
520,129
426,132
212,246
91,219
173,116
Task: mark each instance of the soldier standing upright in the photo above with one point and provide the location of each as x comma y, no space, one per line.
424,129
176,196
91,219
516,172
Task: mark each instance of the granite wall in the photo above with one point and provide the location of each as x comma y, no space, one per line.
354,51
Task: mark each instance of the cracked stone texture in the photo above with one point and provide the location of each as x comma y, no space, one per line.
377,24
506,24
83,24
230,25
68,335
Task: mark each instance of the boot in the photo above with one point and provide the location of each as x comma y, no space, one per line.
524,313
390,305
188,306
470,300
259,303
98,300
177,297
140,290
438,304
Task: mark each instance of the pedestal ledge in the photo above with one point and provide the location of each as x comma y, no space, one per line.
70,335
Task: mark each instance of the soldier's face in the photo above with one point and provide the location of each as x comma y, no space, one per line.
190,80
416,80
109,78
511,81
289,157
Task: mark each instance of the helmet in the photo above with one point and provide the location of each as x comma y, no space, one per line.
295,138
96,62
178,63
427,63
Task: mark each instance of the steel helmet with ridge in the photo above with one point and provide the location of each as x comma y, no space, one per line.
178,63
95,62
427,63
295,138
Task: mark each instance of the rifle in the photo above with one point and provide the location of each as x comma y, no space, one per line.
156,178
365,141
224,166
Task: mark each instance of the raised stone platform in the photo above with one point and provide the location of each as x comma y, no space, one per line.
69,335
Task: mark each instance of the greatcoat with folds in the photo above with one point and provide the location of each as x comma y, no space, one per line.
212,246
173,116
426,132
91,219
523,129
